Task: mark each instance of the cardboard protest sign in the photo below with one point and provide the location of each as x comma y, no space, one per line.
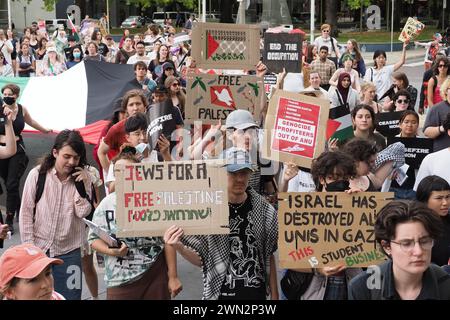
387,123
154,196
41,26
213,97
319,229
415,149
270,81
295,128
283,50
161,120
225,46
411,30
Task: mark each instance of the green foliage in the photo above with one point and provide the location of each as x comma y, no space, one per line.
356,4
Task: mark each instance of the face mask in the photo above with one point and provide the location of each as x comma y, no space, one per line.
336,186
141,147
77,55
9,100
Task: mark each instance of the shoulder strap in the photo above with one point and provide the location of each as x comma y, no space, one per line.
371,74
39,190
435,82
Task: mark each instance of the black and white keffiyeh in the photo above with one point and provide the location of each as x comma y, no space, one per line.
214,250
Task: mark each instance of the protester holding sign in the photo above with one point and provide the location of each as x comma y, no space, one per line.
433,127
363,118
239,265
403,189
331,172
435,193
406,231
381,74
137,269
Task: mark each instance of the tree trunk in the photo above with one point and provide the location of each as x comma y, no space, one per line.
331,16
226,11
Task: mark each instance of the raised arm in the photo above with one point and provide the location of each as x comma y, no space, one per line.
402,59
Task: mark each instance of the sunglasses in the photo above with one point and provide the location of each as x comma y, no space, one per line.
402,101
327,31
175,84
443,66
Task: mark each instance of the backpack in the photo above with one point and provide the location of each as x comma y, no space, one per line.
80,188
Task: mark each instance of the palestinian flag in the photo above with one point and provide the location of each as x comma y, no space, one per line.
339,124
73,30
80,98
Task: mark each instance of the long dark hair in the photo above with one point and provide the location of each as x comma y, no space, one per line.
66,137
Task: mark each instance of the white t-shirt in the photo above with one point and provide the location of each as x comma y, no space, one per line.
6,54
381,78
302,182
135,58
436,163
320,42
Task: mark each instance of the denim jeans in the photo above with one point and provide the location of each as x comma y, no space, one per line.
68,276
336,289
407,194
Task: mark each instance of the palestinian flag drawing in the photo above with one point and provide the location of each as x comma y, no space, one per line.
339,124
80,98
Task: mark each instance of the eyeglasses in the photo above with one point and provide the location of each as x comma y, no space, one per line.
443,66
402,101
326,31
175,84
407,245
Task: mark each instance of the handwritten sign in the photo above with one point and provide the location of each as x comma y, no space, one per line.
416,149
388,123
161,121
295,128
411,30
153,196
214,97
225,46
319,229
283,50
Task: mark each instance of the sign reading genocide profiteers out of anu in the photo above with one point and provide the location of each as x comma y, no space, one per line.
151,197
329,229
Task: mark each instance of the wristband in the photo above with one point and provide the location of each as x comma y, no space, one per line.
441,131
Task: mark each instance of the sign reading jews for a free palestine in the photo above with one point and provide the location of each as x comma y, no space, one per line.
225,46
151,197
283,50
214,97
318,229
295,128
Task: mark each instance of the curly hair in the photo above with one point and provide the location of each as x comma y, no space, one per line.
360,149
403,211
332,163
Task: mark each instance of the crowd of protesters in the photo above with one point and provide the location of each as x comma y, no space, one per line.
413,230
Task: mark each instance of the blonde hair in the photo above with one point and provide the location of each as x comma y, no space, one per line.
367,85
325,26
444,88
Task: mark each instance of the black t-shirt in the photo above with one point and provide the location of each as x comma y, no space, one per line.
245,274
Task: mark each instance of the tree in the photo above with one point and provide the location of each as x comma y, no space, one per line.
359,4
331,15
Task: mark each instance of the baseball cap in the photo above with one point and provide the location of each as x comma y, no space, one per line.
237,159
167,65
240,119
24,261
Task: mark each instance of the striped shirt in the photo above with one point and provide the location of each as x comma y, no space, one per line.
58,226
